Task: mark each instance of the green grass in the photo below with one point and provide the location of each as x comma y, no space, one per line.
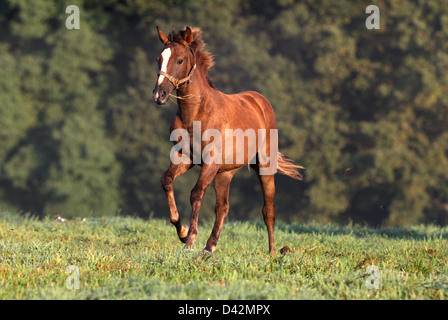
130,258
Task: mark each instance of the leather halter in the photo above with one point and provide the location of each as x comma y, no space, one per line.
176,82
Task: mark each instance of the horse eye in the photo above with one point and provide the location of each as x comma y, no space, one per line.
180,61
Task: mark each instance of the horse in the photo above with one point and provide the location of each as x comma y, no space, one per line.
201,108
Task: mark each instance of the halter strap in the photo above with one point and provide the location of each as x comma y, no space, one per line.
176,82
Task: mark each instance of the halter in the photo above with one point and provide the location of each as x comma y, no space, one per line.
176,82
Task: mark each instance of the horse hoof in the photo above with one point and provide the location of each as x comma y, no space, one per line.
183,234
285,250
205,254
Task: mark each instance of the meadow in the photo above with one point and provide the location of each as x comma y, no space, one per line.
133,258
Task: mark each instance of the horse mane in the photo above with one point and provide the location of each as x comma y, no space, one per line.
204,59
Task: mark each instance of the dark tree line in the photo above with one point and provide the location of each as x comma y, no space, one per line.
365,111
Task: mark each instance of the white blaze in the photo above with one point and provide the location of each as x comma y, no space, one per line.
166,54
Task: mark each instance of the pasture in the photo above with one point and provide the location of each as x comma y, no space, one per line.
132,258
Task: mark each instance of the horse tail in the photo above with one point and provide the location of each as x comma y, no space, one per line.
288,167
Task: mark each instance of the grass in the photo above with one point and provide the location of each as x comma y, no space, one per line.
131,258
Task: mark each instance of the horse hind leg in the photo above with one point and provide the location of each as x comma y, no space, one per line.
222,187
268,187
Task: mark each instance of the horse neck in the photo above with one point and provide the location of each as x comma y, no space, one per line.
191,98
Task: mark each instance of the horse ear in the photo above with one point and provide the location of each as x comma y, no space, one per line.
188,35
162,36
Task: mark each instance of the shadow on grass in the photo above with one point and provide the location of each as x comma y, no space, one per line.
419,232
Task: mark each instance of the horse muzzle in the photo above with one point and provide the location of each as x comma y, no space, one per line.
160,96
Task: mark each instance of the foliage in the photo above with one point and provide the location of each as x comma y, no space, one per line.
365,111
56,157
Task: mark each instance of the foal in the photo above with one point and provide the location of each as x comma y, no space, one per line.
183,66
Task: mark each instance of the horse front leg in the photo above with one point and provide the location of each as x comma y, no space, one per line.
208,172
173,172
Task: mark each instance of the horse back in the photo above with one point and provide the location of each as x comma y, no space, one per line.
250,109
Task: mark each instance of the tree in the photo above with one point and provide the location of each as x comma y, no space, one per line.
365,111
57,158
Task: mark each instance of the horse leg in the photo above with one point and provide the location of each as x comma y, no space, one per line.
268,187
208,172
168,178
222,187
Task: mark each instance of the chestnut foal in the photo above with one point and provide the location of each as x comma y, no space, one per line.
183,66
